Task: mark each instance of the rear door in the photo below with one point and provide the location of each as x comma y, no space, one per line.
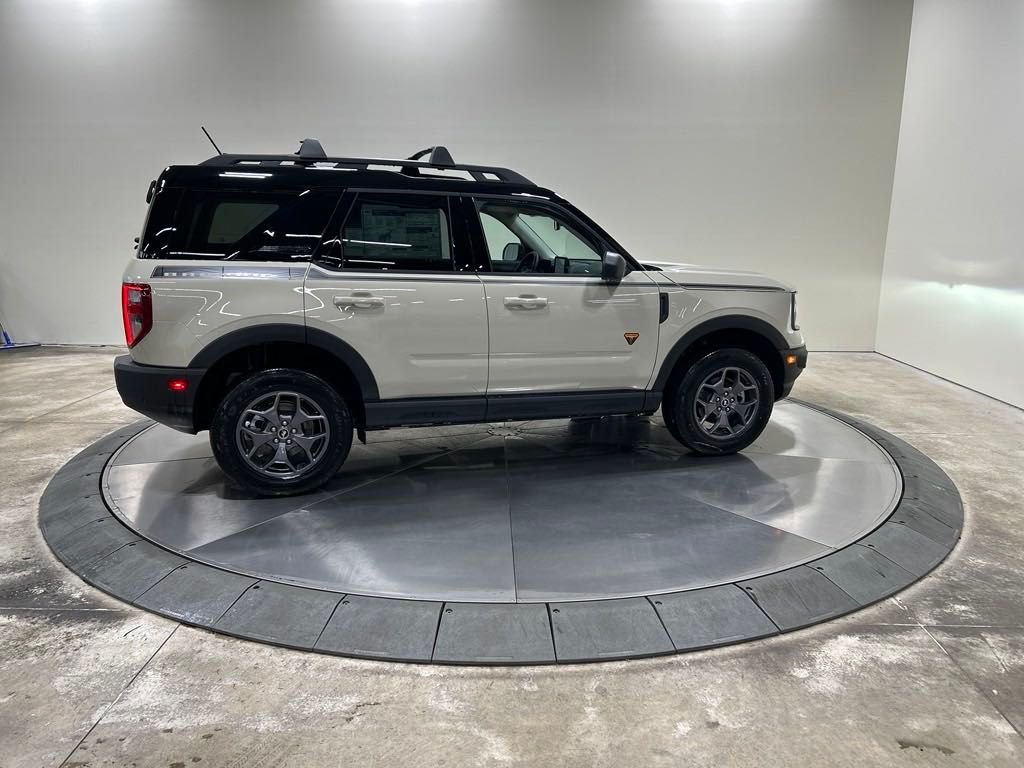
555,326
396,284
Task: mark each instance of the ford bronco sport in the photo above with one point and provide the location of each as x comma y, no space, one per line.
285,302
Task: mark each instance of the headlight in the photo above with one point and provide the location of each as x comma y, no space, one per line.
792,312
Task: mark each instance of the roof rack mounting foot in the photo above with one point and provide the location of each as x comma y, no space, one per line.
437,155
310,148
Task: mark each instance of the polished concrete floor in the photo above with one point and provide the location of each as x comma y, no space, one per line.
529,512
934,676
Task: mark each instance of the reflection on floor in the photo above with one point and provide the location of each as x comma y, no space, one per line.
528,512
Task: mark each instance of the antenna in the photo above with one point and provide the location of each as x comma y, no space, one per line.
211,140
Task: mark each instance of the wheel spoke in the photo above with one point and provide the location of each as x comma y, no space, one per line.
270,414
706,399
302,415
258,441
281,456
261,460
724,423
307,443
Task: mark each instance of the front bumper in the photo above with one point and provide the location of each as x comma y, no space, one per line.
790,370
145,389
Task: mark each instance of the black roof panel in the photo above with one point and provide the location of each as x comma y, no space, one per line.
312,176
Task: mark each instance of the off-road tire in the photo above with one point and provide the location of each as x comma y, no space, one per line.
700,400
237,427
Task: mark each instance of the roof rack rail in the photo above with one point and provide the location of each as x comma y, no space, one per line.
311,154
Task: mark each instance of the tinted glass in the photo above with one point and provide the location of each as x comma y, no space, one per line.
532,240
250,226
157,236
397,232
234,219
293,232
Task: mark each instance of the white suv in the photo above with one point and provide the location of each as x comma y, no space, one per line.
286,301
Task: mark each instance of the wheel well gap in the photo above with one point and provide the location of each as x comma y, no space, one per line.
739,338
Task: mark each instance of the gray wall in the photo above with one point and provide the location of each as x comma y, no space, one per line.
953,292
746,133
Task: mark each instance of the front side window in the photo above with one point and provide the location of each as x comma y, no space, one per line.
397,233
251,226
533,240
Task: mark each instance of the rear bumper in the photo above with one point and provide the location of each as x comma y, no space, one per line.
790,371
145,389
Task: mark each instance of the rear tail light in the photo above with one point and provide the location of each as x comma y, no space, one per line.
137,310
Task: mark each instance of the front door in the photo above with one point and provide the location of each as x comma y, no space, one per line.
555,326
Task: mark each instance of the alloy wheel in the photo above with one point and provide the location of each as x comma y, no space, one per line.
282,434
726,403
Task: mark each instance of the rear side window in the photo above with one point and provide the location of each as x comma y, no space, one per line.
248,226
234,219
397,233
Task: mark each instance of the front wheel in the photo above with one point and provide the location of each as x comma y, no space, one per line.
722,403
281,432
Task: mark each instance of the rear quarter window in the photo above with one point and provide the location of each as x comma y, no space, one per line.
234,219
156,234
240,225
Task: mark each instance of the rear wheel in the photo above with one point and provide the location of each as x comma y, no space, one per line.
722,403
281,432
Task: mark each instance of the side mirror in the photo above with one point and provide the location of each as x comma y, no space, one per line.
613,267
511,252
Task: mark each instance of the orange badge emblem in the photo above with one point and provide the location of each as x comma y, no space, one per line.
631,337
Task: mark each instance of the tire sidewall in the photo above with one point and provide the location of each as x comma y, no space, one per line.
689,431
225,420
668,415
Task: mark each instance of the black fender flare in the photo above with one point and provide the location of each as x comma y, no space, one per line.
313,339
723,323
322,340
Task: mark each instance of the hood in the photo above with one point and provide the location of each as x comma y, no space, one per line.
697,275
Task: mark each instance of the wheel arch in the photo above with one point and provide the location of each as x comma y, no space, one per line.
742,331
239,353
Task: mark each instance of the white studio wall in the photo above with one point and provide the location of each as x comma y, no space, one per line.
952,298
755,134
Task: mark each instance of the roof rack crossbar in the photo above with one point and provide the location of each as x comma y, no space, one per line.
306,160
